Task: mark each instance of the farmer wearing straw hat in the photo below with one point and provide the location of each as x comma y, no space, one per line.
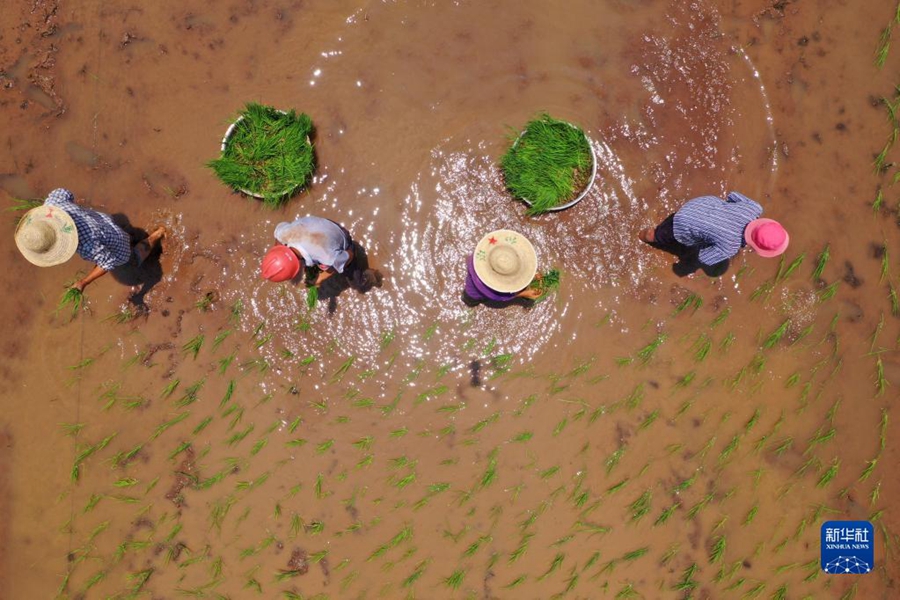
502,268
718,230
51,233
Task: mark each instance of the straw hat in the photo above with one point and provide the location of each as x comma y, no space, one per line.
47,236
505,261
767,237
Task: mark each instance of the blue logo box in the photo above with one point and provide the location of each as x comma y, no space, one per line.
848,547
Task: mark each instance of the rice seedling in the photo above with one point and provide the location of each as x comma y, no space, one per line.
23,205
776,335
416,574
821,261
795,264
687,583
239,436
342,370
647,352
828,293
403,535
884,46
868,470
762,291
193,346
881,381
875,494
729,449
72,299
636,554
490,473
139,579
696,508
648,420
717,551
751,514
521,549
669,554
627,592
640,507
71,429
204,304
516,582
703,345
268,153
85,451
555,564
224,363
829,474
190,394
123,316
547,283
476,545
820,437
259,364
455,580
850,594
262,341
172,422
312,297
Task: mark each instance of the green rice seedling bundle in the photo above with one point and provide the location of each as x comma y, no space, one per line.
22,206
548,165
547,283
267,154
73,298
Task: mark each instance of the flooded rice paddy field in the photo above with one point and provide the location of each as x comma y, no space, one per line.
642,435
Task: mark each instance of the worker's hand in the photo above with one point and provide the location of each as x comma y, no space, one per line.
323,275
530,293
79,285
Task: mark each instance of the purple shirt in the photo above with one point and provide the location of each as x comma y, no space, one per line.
477,290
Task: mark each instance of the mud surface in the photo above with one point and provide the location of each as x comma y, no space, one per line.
200,432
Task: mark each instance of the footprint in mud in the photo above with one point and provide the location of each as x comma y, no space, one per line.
82,155
850,277
164,182
183,477
299,561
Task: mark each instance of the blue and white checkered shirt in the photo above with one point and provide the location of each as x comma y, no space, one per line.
100,241
715,226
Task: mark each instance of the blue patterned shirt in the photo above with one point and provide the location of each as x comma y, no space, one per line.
715,226
100,241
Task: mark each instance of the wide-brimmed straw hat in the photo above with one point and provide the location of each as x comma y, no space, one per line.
767,237
505,261
47,236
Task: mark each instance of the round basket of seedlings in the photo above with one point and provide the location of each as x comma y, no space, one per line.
550,165
267,154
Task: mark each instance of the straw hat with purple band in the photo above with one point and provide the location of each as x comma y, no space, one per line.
47,236
505,261
767,237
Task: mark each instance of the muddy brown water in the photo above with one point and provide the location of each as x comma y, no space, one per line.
399,444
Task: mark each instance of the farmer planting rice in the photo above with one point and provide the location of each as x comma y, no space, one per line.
503,268
716,230
51,233
321,243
